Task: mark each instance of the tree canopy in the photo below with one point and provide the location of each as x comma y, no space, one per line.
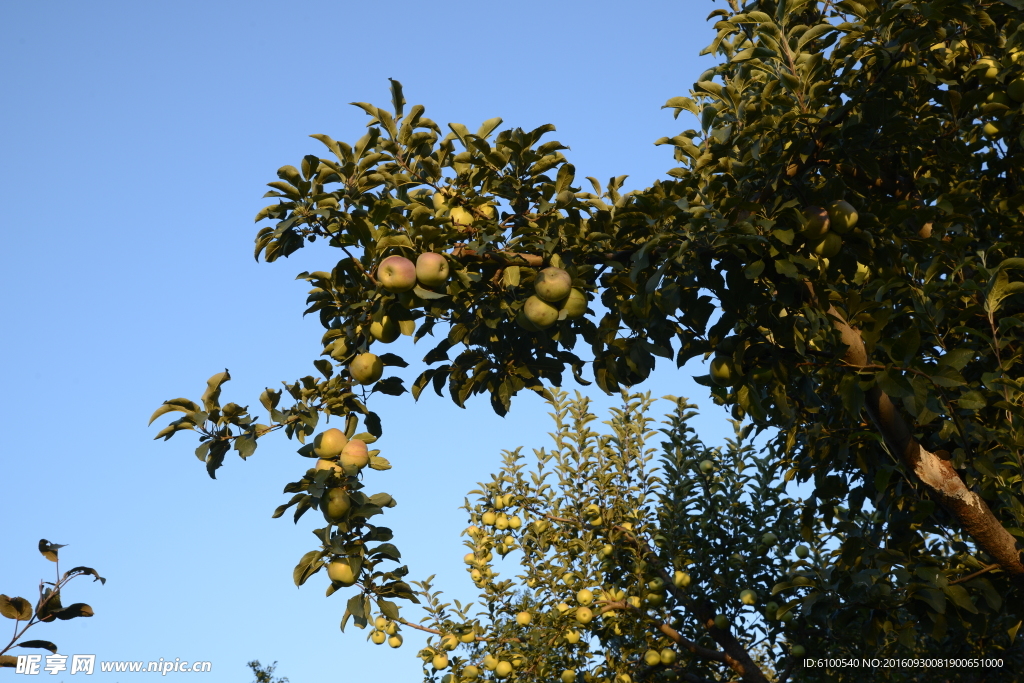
842,233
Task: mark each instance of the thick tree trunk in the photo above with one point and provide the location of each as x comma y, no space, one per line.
935,473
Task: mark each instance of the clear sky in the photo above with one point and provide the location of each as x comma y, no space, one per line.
135,143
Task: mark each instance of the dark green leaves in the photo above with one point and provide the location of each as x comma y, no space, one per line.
310,564
15,608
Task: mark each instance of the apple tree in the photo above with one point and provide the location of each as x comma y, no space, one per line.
840,236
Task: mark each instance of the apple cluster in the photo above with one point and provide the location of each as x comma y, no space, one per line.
823,227
554,299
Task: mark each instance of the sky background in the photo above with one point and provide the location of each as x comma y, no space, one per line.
136,142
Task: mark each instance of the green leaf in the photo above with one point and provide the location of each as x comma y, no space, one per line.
959,595
41,644
972,400
379,463
78,609
488,126
510,276
211,397
1012,632
49,550
397,99
812,33
388,608
85,571
18,609
934,597
307,566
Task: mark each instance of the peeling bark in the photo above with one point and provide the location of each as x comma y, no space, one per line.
936,473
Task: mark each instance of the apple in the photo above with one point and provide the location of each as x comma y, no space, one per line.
829,245
634,601
488,518
656,584
668,656
501,521
707,466
490,662
378,637
842,217
335,505
449,642
355,454
748,597
769,539
574,305
540,313
992,129
366,368
584,615
572,637
552,284
655,599
585,597
562,607
817,222
771,610
503,669
568,676
652,657
385,331
343,570
440,661
1015,89
802,551
515,522
470,672
431,269
461,216
988,71
329,444
723,372
721,621
380,623
798,651
323,464
391,628
397,274
524,618
681,579
395,640
469,558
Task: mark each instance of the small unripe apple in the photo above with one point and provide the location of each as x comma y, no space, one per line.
501,521
802,551
343,571
329,443
395,640
572,637
668,656
552,284
462,217
397,274
681,579
378,637
514,522
655,599
366,368
707,466
380,623
1015,89
842,216
798,651
769,539
652,657
656,584
440,661
748,597
385,331
829,245
469,558
817,222
723,372
524,618
449,642
335,506
490,662
355,454
540,313
562,607
574,305
470,672
431,269
721,621
634,601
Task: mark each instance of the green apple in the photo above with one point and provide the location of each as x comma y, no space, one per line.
449,641
524,618
652,657
552,284
440,661
572,637
540,313
682,579
397,274
723,372
721,621
366,368
707,466
385,331
343,570
395,640
378,637
748,597
503,669
585,597
329,443
802,551
488,518
568,676
335,505
470,672
431,269
798,651
574,305
829,245
842,217
769,539
490,662
1015,89
462,217
584,615
668,656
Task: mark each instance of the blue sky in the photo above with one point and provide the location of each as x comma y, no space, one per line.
136,142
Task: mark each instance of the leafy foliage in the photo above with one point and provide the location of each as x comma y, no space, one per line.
878,349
